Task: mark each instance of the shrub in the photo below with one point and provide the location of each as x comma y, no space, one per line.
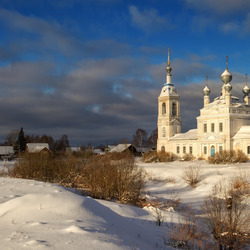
227,216
188,157
192,175
240,183
159,157
185,233
63,170
114,176
226,156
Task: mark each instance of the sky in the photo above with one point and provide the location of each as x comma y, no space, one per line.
94,69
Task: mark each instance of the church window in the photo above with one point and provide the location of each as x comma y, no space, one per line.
184,150
164,108
212,127
163,132
174,108
220,148
190,150
205,128
205,150
248,150
221,127
177,150
162,149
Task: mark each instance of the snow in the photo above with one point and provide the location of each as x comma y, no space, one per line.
38,215
189,135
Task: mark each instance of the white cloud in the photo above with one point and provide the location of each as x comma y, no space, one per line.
220,7
148,20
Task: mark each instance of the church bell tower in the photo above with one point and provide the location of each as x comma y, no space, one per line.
169,118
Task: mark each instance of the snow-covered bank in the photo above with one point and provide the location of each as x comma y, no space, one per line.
166,178
37,215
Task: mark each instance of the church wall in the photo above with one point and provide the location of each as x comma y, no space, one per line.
243,145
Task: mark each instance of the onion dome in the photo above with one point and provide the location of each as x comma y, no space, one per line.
228,87
246,89
206,90
226,76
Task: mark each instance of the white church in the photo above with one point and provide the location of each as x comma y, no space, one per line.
223,124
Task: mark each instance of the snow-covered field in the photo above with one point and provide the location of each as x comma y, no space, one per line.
37,215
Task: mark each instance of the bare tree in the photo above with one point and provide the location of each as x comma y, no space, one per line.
152,140
140,138
11,138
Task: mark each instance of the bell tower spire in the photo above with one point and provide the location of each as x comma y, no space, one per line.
168,69
169,117
168,58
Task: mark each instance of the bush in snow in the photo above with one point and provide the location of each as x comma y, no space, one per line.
64,170
227,216
192,175
226,156
154,156
114,176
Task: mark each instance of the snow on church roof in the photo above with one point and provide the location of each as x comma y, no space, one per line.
243,133
189,135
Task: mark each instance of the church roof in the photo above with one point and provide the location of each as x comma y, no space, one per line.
243,133
189,135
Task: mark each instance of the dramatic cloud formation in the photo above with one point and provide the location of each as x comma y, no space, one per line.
94,69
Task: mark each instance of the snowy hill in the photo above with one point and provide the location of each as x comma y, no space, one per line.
37,215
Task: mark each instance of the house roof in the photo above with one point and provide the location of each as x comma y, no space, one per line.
36,147
243,133
189,135
74,149
142,150
5,150
98,151
120,148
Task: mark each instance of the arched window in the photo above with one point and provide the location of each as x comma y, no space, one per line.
205,150
162,149
184,150
164,108
177,150
173,108
163,132
248,150
191,150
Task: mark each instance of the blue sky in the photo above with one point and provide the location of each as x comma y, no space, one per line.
94,69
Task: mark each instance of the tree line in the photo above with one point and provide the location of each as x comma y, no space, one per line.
141,140
18,140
